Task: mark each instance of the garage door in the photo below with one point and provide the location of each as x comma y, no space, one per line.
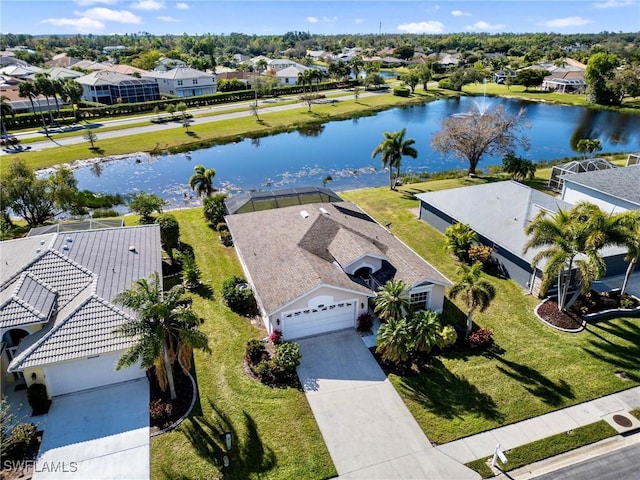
88,373
312,321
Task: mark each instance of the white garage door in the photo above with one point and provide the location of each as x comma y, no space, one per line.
312,321
88,373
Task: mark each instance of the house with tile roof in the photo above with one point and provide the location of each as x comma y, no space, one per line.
184,82
314,268
57,319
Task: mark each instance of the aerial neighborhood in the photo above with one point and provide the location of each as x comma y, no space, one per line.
405,248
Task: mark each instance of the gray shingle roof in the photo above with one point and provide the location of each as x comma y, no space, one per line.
288,255
89,330
622,183
499,211
74,274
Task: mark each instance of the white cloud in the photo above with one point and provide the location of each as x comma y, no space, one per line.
84,3
106,14
323,19
182,6
359,21
483,26
615,3
313,19
330,19
167,18
430,26
460,13
565,22
81,25
148,5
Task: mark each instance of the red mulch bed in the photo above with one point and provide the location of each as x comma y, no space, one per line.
179,406
550,313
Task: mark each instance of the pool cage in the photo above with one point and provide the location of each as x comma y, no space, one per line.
556,182
268,199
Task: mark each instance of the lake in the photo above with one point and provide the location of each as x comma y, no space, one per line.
342,149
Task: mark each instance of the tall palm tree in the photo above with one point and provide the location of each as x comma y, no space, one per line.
317,76
476,292
393,148
201,181
28,90
6,110
72,92
631,240
572,239
44,85
163,328
304,77
392,301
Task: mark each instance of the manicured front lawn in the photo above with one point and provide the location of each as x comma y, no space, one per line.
275,435
533,368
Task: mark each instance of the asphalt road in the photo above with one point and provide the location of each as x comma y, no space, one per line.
623,464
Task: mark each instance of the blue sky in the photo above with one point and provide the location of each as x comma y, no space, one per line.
323,17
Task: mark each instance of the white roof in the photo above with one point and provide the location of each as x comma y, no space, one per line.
180,73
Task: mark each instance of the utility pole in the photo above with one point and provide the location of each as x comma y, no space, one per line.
380,29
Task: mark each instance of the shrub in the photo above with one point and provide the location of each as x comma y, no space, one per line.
448,336
480,253
160,411
104,213
38,398
190,271
627,302
214,208
480,338
275,336
225,238
222,227
238,295
255,352
365,322
266,370
458,240
169,231
287,356
23,440
401,91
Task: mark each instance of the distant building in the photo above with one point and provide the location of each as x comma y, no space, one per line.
183,82
110,88
165,64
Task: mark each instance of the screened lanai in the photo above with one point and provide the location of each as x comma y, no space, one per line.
575,166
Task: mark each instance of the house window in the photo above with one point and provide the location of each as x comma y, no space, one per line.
420,300
195,81
179,83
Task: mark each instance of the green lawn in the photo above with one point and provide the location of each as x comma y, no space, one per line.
533,369
221,131
275,434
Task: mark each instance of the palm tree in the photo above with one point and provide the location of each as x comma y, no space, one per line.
573,238
72,92
393,340
631,240
28,90
519,168
393,148
356,64
201,181
477,292
45,86
425,328
458,238
5,110
316,75
392,301
163,329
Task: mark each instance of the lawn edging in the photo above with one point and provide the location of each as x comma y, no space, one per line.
547,447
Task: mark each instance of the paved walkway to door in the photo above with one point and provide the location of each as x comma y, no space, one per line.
366,426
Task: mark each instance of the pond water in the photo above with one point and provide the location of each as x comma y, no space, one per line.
342,149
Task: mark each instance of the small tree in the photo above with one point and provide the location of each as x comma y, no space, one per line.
144,204
190,271
169,232
214,208
171,109
458,239
588,146
356,92
91,137
476,292
530,77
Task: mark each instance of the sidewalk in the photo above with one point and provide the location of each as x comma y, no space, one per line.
483,444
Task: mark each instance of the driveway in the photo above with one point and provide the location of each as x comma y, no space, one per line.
366,426
101,433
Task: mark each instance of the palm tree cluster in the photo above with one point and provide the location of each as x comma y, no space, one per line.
406,334
392,149
519,168
165,329
571,242
308,76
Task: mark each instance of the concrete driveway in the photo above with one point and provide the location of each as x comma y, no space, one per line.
366,426
101,433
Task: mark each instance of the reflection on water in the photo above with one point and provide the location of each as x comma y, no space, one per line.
343,149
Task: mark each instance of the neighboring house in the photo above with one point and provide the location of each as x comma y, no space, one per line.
58,73
61,60
91,65
23,104
125,70
244,77
56,317
184,82
499,212
614,190
110,88
314,268
19,71
501,76
280,64
240,58
289,75
164,64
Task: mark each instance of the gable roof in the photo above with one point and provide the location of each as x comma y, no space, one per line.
622,183
179,73
291,251
506,209
290,72
106,77
71,277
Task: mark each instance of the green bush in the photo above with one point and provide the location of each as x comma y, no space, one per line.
255,352
238,295
266,370
222,227
287,356
169,231
38,398
226,238
214,208
190,271
401,91
23,440
104,213
448,336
